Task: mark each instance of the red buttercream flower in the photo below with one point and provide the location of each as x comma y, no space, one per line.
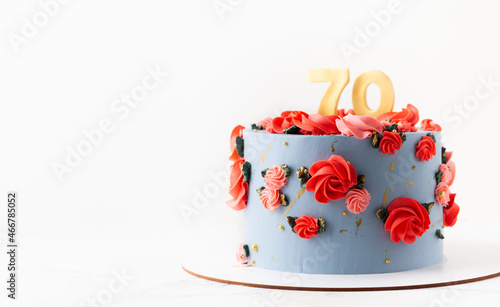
426,148
270,199
450,212
237,131
237,187
405,126
410,115
306,226
275,178
317,124
343,112
331,179
407,220
443,193
429,125
390,142
286,120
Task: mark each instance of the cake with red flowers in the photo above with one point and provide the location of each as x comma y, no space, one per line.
342,193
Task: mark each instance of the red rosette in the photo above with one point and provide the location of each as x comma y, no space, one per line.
306,226
331,179
390,142
450,212
237,187
426,148
407,219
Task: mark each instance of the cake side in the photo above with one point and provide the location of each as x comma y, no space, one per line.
351,243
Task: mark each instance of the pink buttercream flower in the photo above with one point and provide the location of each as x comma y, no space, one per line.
446,174
443,193
357,200
241,254
275,178
385,123
265,123
359,126
270,199
451,166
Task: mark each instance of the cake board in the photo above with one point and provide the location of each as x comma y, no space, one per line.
470,256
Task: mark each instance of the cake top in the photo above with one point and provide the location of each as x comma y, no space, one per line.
346,123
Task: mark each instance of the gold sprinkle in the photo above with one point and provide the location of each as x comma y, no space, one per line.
283,200
387,261
358,223
441,194
262,158
385,198
409,183
333,149
254,247
281,227
414,167
269,147
343,230
392,166
254,130
253,262
348,162
301,191
285,143
443,226
344,213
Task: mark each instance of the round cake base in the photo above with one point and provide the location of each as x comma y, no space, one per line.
471,254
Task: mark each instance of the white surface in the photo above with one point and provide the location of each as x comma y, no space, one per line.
120,207
466,258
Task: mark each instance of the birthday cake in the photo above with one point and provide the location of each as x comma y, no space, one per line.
343,191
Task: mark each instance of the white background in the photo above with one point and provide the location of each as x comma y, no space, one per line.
119,207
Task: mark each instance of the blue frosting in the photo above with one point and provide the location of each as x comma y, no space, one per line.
352,243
